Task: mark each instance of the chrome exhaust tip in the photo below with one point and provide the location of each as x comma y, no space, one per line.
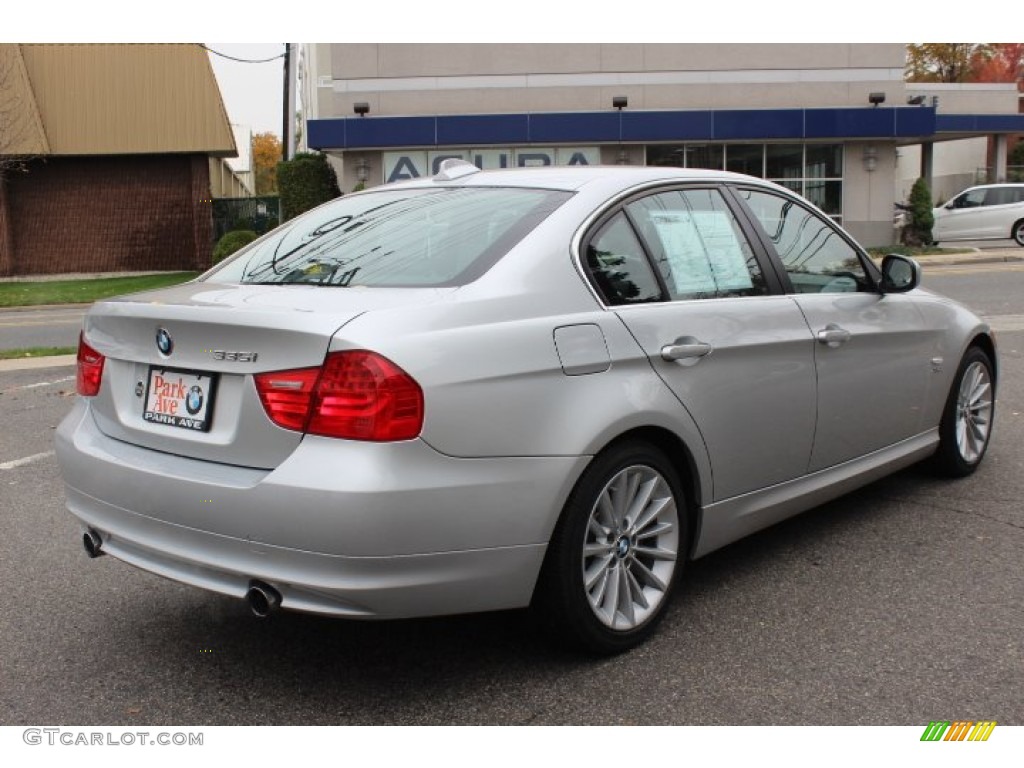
93,543
263,599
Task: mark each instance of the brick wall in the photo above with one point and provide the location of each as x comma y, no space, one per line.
109,214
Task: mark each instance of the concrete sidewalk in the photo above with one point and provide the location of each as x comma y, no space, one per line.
976,256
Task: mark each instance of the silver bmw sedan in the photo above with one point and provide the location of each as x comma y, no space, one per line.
492,389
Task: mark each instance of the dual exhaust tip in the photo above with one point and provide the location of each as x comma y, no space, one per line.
262,598
93,543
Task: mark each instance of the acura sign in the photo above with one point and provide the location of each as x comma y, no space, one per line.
399,166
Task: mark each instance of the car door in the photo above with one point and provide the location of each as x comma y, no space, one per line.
961,218
1001,211
711,318
872,350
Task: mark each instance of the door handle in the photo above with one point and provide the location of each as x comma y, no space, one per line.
685,348
833,335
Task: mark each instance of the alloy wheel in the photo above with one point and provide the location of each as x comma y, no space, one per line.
974,412
630,547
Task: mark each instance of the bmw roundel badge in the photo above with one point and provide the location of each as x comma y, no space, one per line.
194,401
164,342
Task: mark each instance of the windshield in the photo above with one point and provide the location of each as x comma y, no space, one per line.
408,237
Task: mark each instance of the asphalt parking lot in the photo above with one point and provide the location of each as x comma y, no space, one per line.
895,605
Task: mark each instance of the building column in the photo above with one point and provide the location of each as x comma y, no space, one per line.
6,232
927,161
202,213
999,158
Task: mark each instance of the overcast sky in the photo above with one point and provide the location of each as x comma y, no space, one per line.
253,93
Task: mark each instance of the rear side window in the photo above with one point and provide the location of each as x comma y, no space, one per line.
409,237
698,245
619,265
1004,195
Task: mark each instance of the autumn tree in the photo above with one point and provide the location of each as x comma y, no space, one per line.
1001,63
266,154
944,62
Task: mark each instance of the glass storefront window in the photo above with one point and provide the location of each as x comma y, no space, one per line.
785,161
824,161
745,158
814,171
670,155
827,195
705,156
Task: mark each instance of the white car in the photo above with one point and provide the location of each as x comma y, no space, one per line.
990,212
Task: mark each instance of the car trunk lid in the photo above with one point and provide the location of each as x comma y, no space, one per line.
196,397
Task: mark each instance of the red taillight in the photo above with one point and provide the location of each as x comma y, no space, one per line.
356,394
286,395
90,369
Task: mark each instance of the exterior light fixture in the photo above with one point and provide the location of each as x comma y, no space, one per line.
620,102
361,108
870,158
876,97
362,170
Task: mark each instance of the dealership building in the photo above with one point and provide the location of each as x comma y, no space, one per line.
835,122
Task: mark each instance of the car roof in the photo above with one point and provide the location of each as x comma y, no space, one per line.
574,178
1011,185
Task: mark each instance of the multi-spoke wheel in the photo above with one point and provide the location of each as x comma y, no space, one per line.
967,420
1018,232
616,551
630,547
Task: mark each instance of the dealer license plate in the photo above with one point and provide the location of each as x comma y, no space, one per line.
179,398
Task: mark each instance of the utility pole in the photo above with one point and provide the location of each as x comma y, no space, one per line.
286,130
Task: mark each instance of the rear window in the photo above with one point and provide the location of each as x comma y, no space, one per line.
408,237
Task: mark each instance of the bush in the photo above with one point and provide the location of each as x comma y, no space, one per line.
1017,156
305,182
231,242
919,230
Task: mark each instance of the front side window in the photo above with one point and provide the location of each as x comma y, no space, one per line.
815,256
408,237
972,199
698,245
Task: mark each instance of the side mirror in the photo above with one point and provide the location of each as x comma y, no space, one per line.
950,205
899,274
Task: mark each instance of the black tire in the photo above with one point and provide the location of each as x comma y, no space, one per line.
967,418
617,556
1017,233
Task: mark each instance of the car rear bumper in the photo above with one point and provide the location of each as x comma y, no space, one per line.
343,528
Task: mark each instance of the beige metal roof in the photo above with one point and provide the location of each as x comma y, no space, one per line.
21,130
127,99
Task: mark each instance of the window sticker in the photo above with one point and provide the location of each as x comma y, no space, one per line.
703,251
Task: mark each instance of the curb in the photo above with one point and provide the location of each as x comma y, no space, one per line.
966,258
27,363
32,307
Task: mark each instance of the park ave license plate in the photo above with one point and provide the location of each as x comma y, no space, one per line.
179,398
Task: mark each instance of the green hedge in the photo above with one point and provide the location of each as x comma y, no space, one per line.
231,242
305,182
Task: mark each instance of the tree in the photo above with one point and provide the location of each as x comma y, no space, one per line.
919,230
306,181
944,62
266,154
1002,63
1017,155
